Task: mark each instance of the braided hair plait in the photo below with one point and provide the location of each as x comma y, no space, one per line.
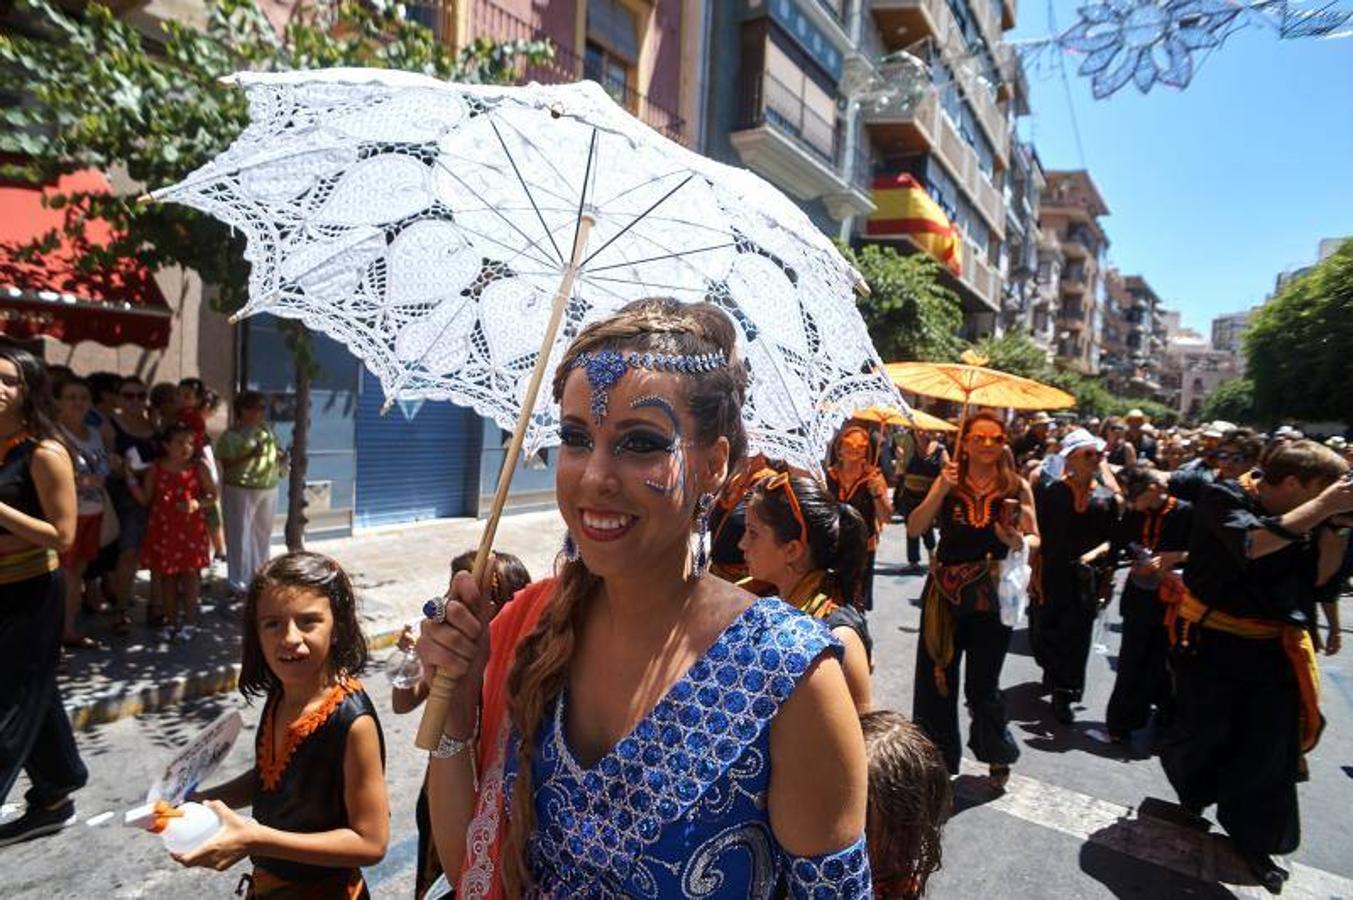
536,678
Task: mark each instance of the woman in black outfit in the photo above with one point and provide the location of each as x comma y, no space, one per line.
854,479
984,510
1078,515
924,466
37,521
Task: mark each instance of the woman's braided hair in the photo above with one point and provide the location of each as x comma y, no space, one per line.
540,666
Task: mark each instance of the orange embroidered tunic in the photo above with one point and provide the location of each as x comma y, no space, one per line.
301,784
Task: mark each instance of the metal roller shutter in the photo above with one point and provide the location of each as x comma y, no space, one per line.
410,469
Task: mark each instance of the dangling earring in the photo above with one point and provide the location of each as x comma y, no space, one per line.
570,547
702,533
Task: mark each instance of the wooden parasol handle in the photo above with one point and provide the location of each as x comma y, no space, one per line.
439,695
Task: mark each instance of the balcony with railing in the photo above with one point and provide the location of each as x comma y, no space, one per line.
488,20
782,137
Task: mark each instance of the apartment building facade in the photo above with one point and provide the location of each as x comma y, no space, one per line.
1131,335
954,136
1071,209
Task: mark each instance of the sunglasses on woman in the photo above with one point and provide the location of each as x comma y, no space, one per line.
133,395
1228,455
780,482
988,440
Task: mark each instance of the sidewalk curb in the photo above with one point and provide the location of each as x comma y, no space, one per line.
114,705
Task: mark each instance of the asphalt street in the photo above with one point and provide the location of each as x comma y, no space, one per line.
1082,818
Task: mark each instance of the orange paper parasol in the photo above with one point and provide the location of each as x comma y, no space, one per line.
926,422
883,415
976,384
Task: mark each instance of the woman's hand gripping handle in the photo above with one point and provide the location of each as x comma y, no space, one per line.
454,652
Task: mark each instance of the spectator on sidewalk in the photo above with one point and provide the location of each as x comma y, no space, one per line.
37,521
196,402
164,403
177,488
251,466
90,459
135,447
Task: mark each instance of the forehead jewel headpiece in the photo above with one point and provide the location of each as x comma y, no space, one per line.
605,367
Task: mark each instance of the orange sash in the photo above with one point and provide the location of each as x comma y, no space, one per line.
1296,643
481,872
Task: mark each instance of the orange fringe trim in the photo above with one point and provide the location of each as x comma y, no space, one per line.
270,768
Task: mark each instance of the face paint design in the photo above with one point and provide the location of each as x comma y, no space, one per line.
678,487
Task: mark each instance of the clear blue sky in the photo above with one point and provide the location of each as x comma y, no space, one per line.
1214,189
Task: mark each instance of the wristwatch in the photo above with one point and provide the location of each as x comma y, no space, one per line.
448,747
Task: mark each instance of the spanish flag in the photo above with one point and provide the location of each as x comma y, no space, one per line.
905,208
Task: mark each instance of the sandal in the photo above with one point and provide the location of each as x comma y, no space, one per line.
122,623
83,642
998,776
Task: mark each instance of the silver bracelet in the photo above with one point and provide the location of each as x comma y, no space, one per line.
448,747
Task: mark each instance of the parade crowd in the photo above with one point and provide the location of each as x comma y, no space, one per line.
683,707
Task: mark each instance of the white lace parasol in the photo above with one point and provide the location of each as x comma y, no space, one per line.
428,226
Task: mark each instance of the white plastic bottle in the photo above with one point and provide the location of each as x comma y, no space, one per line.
181,833
197,825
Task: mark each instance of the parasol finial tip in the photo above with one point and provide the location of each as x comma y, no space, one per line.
387,405
862,288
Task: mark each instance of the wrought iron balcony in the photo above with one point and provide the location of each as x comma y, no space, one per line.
489,20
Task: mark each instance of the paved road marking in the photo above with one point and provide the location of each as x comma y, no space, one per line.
1207,857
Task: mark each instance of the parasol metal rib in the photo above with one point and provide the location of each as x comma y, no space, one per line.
529,196
637,219
439,696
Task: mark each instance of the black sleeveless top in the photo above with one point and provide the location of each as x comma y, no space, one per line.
860,497
17,488
968,528
307,795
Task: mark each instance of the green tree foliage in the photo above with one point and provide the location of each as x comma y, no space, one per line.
100,94
1231,401
909,313
1299,346
1015,352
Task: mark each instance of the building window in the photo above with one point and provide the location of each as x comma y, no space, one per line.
612,49
798,103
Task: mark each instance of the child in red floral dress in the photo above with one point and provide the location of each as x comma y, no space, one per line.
178,488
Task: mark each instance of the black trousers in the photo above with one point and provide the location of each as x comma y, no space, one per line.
982,638
867,581
35,733
1143,665
1235,742
1059,633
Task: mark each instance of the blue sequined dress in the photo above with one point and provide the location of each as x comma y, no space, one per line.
678,807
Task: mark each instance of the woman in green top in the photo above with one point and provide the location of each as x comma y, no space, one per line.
251,463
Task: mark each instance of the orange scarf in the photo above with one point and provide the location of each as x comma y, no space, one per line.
481,874
1296,643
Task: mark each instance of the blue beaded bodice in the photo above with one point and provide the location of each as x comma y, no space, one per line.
678,807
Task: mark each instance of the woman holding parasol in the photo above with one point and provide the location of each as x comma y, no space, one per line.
633,707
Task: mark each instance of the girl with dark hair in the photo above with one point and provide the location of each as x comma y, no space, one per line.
37,521
910,799
634,688
134,449
984,510
177,489
855,479
320,808
812,550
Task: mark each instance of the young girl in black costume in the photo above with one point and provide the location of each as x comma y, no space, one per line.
318,784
